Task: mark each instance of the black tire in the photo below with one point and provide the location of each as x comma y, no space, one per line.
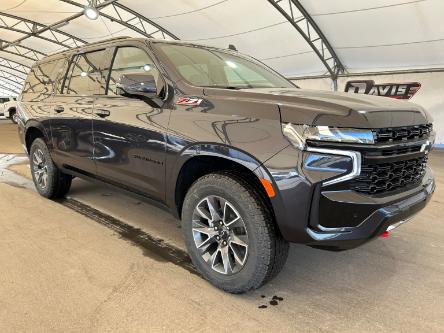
12,114
57,183
267,250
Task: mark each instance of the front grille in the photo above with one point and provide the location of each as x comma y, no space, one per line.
395,151
394,134
384,177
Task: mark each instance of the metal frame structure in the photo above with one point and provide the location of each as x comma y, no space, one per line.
15,66
14,78
4,69
114,11
29,28
51,33
131,20
7,87
301,20
11,82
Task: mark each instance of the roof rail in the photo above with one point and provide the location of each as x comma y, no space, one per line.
88,44
109,40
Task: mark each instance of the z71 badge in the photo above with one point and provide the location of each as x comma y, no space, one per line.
392,90
189,101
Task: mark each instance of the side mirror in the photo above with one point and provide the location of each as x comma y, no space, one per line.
137,85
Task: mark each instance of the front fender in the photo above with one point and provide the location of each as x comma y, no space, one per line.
211,150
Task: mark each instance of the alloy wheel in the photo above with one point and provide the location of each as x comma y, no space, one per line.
40,168
220,235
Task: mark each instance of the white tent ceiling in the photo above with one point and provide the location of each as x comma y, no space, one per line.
366,35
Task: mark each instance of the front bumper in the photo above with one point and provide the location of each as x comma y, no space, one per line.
334,216
385,216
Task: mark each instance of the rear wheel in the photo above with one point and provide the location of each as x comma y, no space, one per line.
13,116
49,181
230,233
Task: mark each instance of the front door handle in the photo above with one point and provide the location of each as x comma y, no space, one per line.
102,113
59,109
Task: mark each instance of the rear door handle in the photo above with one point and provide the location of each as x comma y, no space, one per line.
59,109
102,113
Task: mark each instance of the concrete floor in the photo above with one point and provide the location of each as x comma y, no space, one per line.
63,272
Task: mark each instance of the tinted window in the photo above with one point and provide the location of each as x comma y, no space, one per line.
129,60
41,78
84,76
216,68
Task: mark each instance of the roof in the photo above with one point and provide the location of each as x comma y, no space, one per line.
296,37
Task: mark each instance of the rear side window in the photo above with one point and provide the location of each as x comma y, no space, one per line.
84,74
130,60
41,78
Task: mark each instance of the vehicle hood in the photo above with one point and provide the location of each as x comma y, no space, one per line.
312,107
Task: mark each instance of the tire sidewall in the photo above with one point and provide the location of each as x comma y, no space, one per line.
252,270
12,116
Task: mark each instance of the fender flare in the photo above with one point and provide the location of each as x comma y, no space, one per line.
212,149
35,124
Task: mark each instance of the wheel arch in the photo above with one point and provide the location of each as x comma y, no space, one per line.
33,131
202,159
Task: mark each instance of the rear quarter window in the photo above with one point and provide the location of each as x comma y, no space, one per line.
41,79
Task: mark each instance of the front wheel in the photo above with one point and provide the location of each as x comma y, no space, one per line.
230,233
49,181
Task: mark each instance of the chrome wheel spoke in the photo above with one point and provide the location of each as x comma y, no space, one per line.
39,175
209,233
238,255
213,258
226,260
230,215
204,214
36,160
44,179
206,231
212,207
239,240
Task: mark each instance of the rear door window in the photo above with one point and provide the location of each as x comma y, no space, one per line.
84,75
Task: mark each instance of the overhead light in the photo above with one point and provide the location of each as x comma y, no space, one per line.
91,12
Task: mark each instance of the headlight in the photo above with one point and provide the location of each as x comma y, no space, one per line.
299,134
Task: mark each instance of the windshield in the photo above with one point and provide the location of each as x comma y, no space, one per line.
204,67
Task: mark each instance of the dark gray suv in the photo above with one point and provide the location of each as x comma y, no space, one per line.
244,158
